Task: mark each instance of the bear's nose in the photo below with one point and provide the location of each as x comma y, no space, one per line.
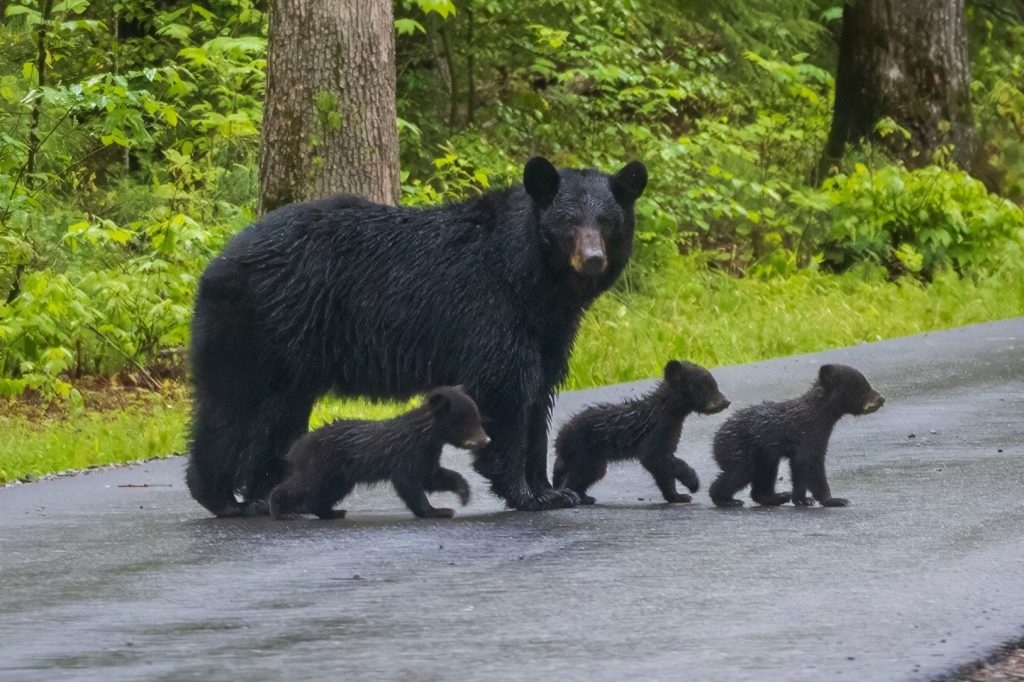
588,256
594,265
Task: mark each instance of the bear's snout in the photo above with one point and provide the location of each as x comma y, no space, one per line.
588,258
873,403
481,440
717,404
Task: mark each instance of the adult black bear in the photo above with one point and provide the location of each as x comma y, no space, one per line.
750,444
646,428
324,465
345,296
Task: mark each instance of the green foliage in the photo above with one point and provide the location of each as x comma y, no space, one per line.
686,310
917,221
123,170
998,99
129,157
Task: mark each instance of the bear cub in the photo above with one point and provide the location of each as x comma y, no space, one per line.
324,465
751,443
646,428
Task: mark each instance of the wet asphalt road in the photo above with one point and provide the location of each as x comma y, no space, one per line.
924,572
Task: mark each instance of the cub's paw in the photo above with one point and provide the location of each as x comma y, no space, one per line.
439,513
835,502
690,480
463,492
678,498
803,502
331,514
773,500
730,503
587,499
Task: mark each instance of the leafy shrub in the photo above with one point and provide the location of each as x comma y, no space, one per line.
916,221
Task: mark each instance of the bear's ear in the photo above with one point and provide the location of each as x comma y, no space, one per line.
628,184
439,403
673,371
541,180
827,376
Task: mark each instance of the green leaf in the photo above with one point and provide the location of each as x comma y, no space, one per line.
408,26
76,6
443,7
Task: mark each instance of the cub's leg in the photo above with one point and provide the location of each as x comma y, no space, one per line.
582,473
762,487
685,474
415,497
727,485
327,496
442,479
799,475
817,481
664,472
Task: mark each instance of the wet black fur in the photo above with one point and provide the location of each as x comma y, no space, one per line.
358,299
646,428
324,465
749,446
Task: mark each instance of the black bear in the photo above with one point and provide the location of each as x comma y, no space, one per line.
359,299
646,428
750,444
324,466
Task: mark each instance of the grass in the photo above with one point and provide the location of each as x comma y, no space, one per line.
689,312
684,310
113,426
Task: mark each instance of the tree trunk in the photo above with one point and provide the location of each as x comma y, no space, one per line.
329,121
906,60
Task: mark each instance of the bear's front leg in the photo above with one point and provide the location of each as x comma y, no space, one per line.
664,471
685,474
504,462
537,458
415,498
442,479
817,481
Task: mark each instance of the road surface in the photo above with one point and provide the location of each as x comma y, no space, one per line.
921,574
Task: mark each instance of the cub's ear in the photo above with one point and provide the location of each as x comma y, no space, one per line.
673,371
439,403
628,184
541,180
827,376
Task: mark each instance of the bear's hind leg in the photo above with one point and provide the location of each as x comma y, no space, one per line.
584,473
726,486
329,494
762,487
275,425
212,462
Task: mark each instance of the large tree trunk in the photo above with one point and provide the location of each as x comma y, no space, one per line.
329,122
906,60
